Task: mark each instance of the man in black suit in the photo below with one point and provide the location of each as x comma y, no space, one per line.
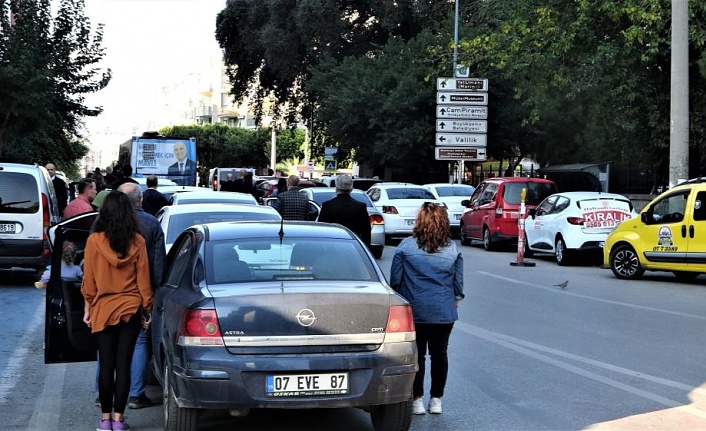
183,172
345,210
152,199
60,188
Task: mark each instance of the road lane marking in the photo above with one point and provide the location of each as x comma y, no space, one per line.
13,370
498,339
593,298
47,410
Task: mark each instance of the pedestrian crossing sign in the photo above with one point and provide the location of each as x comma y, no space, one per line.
330,165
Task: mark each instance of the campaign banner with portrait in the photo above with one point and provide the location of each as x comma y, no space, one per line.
170,158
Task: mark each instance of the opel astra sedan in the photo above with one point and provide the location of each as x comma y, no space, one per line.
290,315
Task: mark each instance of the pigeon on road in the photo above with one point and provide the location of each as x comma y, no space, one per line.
563,285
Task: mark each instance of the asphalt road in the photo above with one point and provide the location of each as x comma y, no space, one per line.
602,354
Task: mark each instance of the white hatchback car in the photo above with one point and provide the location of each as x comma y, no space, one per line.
452,195
567,224
399,204
205,196
174,219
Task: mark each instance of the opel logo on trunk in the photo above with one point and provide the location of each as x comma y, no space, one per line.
306,317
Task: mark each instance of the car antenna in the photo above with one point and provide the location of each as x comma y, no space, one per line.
281,231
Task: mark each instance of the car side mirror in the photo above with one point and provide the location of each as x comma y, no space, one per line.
466,202
532,212
643,218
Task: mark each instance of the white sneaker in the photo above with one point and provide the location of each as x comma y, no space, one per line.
435,406
418,407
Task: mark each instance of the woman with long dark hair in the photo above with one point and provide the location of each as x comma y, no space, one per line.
117,301
427,270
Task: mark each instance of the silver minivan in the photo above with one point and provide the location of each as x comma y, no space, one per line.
28,207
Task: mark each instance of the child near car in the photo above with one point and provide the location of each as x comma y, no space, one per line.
68,268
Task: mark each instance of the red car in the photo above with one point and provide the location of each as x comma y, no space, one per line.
492,212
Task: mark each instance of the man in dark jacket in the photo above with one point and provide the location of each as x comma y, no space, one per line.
291,204
152,199
346,211
60,189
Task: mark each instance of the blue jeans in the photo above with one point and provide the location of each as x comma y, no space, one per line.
138,369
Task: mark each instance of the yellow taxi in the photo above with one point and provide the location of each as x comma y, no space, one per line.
668,235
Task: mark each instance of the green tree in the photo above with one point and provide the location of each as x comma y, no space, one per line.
269,46
47,65
382,106
592,77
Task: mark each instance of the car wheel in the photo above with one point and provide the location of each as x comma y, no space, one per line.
526,252
488,244
377,252
685,275
625,263
392,417
175,417
465,240
561,253
388,239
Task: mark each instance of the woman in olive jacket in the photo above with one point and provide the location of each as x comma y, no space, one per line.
118,298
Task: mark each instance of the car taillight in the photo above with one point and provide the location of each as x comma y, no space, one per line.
46,222
46,216
575,221
400,324
389,209
376,219
200,328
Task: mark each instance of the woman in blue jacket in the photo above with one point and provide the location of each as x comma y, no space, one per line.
427,270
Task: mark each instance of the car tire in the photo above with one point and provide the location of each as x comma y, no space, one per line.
625,263
377,252
392,417
465,240
527,252
560,252
488,243
176,418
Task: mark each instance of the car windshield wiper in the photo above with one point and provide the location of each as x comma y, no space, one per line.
13,203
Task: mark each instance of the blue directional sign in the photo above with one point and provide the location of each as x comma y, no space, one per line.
330,165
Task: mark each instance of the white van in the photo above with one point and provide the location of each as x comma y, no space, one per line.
28,207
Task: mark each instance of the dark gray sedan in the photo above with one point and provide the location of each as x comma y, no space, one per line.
280,315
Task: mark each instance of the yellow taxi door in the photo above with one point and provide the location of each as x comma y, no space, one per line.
696,232
664,236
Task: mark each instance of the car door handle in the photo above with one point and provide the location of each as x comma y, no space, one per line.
683,231
691,231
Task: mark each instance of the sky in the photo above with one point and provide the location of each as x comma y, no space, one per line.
151,45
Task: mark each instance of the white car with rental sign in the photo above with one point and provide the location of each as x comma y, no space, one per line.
573,223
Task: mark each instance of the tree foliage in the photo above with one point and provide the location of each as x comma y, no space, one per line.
47,65
593,77
269,46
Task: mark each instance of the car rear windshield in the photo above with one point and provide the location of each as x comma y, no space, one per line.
266,259
18,193
409,193
322,197
536,192
178,223
445,192
181,201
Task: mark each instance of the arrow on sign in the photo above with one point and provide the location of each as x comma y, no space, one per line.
442,125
